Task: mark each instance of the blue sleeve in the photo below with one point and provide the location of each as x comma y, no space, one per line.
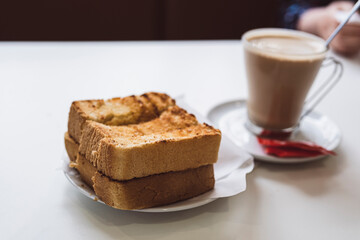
293,12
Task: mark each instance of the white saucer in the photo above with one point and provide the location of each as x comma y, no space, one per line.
231,116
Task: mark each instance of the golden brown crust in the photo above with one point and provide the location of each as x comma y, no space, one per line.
154,190
173,142
76,121
117,111
86,169
72,148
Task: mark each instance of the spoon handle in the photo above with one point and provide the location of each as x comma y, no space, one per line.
336,31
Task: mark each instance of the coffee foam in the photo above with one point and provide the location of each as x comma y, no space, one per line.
287,46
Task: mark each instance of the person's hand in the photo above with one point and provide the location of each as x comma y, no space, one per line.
322,22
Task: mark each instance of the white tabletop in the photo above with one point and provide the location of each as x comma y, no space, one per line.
317,200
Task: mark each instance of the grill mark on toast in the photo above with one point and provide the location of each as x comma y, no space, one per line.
153,105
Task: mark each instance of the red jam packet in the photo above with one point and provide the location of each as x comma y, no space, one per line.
286,148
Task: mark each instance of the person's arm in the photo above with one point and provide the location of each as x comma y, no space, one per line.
321,21
292,10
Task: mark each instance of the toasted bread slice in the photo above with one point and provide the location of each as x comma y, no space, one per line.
117,111
141,151
175,141
154,190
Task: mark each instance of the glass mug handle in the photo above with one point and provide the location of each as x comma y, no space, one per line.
312,101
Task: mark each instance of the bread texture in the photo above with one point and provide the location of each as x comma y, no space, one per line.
174,141
117,111
154,190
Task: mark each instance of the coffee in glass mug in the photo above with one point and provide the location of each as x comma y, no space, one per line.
281,66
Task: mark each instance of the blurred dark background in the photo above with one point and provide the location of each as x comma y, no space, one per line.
23,20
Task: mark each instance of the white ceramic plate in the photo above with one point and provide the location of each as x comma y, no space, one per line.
231,116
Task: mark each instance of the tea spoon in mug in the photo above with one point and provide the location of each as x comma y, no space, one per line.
337,30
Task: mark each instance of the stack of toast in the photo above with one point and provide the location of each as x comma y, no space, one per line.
141,151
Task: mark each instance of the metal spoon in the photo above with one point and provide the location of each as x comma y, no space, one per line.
337,30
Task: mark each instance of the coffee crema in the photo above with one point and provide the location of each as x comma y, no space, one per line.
287,45
280,71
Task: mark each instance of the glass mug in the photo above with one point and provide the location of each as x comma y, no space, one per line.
281,66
